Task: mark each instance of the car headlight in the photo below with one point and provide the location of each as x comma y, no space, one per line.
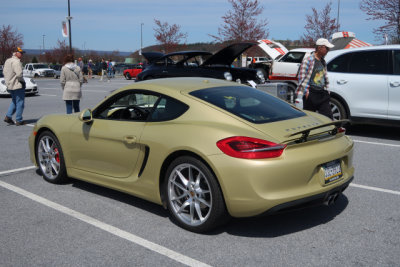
228,76
260,75
32,81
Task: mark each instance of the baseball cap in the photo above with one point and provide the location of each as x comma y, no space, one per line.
324,42
19,50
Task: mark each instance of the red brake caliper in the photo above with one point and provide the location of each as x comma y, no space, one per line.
57,156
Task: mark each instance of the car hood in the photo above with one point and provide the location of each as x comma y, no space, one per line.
228,54
152,56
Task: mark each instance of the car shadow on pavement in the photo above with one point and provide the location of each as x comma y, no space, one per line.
120,196
285,223
374,131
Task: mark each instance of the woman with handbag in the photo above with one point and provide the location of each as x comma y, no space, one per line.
71,83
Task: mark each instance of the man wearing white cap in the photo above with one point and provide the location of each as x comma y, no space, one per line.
16,87
313,80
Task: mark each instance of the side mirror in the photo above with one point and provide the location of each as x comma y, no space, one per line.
86,116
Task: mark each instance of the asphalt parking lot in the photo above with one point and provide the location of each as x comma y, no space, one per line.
80,224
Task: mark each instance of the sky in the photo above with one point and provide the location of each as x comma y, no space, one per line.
108,25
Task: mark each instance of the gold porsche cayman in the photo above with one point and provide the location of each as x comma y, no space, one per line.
204,149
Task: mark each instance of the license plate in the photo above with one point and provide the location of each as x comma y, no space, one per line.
333,171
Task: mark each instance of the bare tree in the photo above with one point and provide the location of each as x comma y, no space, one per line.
241,23
60,52
168,36
319,25
388,11
9,40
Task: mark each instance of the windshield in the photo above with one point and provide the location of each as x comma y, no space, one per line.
40,66
248,103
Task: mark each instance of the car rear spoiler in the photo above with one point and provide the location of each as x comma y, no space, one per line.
306,133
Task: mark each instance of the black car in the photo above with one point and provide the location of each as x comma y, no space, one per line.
201,64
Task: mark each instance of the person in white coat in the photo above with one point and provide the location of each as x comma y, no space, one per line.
71,83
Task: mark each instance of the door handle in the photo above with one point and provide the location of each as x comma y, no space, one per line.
341,82
130,139
395,84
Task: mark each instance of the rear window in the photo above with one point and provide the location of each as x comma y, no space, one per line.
248,103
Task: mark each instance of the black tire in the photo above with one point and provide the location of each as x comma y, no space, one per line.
50,158
128,76
36,75
338,110
196,205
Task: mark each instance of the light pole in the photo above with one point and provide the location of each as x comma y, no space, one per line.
69,28
44,51
141,37
338,7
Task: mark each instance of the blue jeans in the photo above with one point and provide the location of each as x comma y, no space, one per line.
72,104
17,104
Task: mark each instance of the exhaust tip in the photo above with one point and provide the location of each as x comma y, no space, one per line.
331,199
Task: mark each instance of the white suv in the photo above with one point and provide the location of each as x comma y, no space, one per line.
365,84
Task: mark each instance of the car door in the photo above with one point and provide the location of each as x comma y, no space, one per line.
361,79
110,144
394,88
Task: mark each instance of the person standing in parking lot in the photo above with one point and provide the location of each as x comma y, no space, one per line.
110,70
90,69
71,83
16,87
103,66
313,80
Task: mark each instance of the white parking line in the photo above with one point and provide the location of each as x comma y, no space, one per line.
47,95
17,170
375,189
106,227
375,143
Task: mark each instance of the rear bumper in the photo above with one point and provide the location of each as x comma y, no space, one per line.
311,201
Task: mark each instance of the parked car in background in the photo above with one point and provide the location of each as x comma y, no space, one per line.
57,70
259,154
95,69
120,67
31,86
132,72
365,84
37,70
201,64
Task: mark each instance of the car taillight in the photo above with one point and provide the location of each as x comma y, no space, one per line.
250,148
341,130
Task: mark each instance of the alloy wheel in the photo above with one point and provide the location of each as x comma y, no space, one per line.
189,194
48,157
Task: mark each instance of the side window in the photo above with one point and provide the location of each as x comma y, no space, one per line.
168,109
128,105
30,67
340,64
370,62
293,57
396,62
